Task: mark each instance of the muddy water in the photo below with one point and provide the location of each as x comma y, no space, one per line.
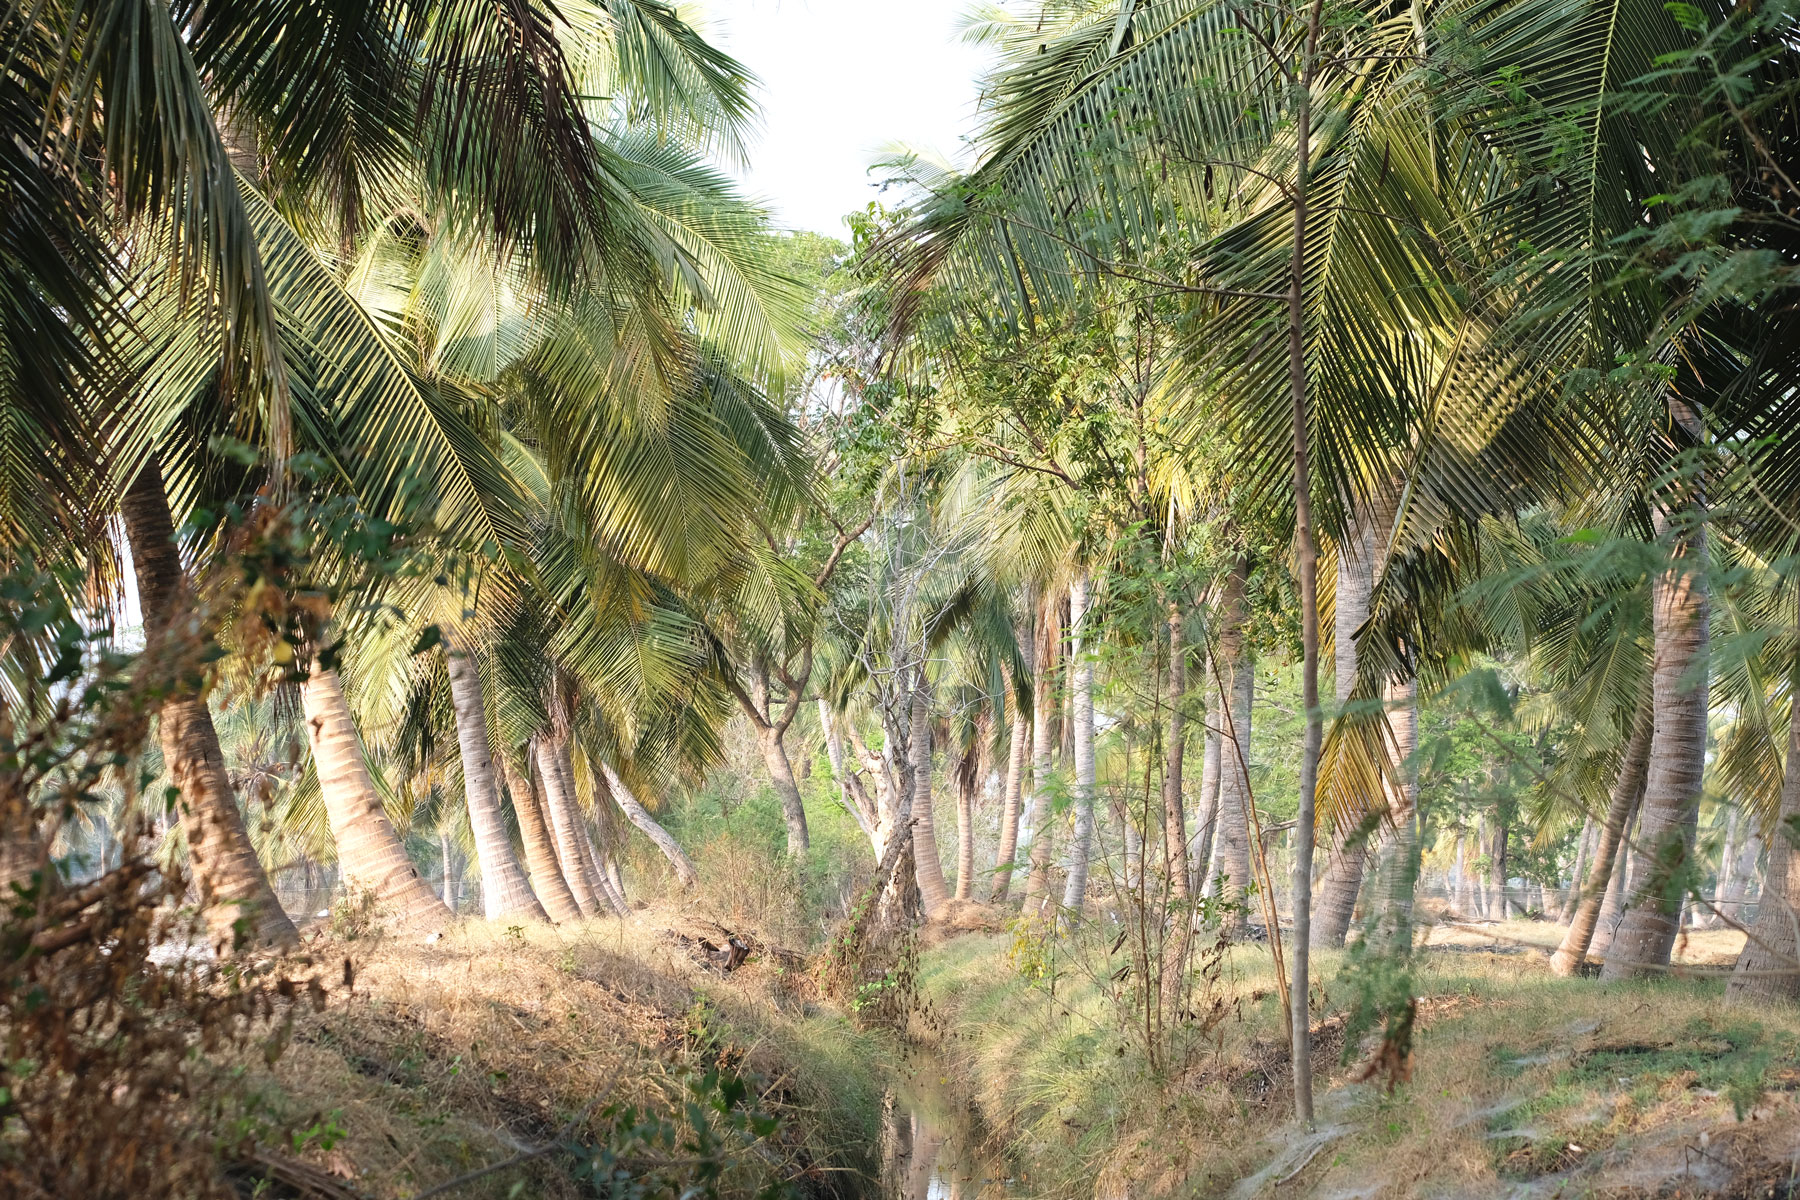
932,1149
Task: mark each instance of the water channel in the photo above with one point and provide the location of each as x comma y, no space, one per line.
930,1147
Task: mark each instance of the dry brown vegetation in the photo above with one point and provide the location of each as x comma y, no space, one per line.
1522,1083
495,1041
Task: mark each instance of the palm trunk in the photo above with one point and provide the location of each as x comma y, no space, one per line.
547,879
1607,923
1344,871
1238,668
1399,862
1572,901
1768,967
1740,890
1082,693
1018,751
239,903
609,887
371,857
933,893
504,890
1627,791
1175,840
1465,889
564,810
445,853
1679,613
640,816
1204,847
781,773
1497,872
968,777
1039,837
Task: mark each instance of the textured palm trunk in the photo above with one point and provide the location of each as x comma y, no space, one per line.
781,773
1344,870
564,811
547,879
1615,895
933,892
1018,751
1081,690
1628,789
371,856
1399,861
1238,669
1497,871
1768,967
1038,835
234,889
1679,687
968,777
640,816
504,890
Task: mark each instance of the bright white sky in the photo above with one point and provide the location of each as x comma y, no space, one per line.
842,79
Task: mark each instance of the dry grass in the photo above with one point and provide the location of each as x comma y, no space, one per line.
1523,1083
455,1055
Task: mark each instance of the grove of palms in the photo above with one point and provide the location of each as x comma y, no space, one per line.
1286,544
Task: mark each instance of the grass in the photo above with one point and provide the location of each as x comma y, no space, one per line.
457,1055
1516,1076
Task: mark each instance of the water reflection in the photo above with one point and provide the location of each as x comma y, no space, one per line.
931,1149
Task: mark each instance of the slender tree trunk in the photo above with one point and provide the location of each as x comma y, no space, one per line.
1179,942
1238,668
1465,892
1040,836
1768,967
504,890
1740,892
640,816
1625,796
371,856
1175,840
1306,549
610,887
849,795
967,778
1571,900
1082,690
564,810
769,738
933,893
234,889
1018,751
1620,886
1497,871
1679,613
445,854
547,879
1206,821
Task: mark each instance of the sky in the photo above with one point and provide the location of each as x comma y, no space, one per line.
841,80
